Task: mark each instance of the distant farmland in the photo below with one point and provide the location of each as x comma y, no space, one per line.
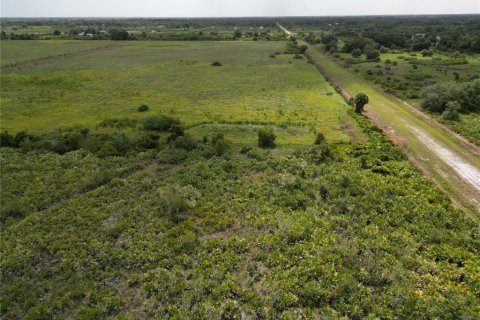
90,83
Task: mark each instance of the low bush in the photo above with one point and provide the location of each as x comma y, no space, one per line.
185,142
159,123
221,146
266,138
319,138
143,108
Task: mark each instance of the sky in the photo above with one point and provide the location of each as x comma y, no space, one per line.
230,8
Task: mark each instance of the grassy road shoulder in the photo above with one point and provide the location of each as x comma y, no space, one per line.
452,165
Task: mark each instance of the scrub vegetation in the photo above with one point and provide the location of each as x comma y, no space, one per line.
142,180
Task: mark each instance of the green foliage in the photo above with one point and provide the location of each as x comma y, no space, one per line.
436,97
159,123
451,111
143,108
221,146
278,247
356,53
360,100
105,145
119,34
319,138
148,140
372,55
177,201
185,142
266,138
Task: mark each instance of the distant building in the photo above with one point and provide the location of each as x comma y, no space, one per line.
419,35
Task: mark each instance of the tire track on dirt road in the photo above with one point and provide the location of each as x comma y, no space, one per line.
452,164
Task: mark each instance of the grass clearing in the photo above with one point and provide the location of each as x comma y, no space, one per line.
174,78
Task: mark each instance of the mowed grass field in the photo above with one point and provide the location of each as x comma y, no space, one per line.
89,84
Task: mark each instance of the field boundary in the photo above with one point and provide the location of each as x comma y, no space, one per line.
48,58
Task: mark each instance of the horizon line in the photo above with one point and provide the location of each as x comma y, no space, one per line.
254,16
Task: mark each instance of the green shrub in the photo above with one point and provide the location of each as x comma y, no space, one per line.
221,146
216,64
172,156
177,201
105,145
147,140
231,310
266,138
176,131
7,140
217,136
319,138
143,108
185,142
159,123
451,111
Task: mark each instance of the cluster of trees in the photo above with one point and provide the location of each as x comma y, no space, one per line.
459,33
294,48
449,98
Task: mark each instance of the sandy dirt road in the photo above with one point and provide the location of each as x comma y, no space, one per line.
441,155
452,162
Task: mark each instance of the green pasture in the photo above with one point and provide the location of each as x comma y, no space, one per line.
16,51
174,78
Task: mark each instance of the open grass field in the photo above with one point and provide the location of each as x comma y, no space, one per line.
173,78
419,138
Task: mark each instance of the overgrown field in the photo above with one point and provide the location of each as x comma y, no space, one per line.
192,209
174,78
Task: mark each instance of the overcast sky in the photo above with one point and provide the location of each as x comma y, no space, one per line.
230,8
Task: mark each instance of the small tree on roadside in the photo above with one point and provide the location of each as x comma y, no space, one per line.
361,99
303,48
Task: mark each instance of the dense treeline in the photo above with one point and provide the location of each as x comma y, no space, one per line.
142,29
416,33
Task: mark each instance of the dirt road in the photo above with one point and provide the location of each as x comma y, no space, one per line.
453,164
